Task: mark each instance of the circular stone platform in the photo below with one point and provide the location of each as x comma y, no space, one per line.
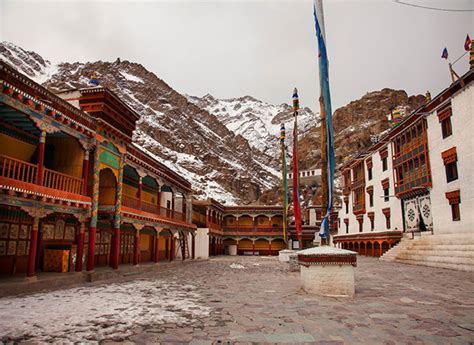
328,271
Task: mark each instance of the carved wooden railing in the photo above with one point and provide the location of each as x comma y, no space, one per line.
130,201
149,207
17,169
56,180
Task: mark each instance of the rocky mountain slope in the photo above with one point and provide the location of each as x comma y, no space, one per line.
219,163
257,121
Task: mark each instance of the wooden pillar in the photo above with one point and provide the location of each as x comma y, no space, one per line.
253,248
171,247
381,250
139,192
270,247
80,247
85,172
157,247
207,218
193,247
136,248
42,142
33,244
167,246
94,211
117,216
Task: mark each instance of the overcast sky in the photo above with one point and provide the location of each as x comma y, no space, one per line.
258,48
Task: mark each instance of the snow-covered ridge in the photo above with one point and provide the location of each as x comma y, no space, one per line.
257,121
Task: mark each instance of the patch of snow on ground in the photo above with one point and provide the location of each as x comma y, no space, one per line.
131,77
237,266
98,312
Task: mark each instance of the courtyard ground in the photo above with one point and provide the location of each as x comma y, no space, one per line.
250,299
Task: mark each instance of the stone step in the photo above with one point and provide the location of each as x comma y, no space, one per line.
455,247
455,266
436,258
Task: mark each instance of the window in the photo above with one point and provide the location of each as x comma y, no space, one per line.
384,164
347,206
446,127
372,225
168,204
369,172
387,221
361,226
451,172
371,199
386,192
450,163
346,221
455,212
454,199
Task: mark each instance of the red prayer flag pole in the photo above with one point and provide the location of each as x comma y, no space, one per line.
296,194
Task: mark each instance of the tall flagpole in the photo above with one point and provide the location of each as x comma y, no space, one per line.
327,142
284,180
296,194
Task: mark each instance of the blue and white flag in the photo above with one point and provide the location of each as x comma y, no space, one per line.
324,84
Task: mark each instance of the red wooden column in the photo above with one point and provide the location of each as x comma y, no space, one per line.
193,247
270,247
207,218
85,172
167,246
33,244
80,247
42,141
139,192
136,248
91,248
253,248
171,247
157,247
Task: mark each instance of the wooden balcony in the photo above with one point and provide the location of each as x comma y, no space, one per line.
56,180
251,230
132,202
358,208
18,170
358,183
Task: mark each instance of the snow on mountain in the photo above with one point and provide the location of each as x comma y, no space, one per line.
257,121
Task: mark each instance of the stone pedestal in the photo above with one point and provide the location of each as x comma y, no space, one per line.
293,262
284,255
328,271
232,249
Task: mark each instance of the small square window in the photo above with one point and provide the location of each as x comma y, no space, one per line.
369,171
386,193
384,164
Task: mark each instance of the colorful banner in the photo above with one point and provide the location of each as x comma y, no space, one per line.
324,85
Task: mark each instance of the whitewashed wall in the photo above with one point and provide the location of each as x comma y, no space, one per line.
462,122
202,243
164,197
394,203
378,175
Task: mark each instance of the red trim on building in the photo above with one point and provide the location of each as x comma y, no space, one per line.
454,197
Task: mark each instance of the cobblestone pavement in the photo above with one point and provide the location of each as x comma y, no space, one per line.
256,299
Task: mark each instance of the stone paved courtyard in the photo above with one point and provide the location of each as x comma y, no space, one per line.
251,299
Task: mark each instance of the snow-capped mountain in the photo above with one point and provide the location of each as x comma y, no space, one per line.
218,162
257,121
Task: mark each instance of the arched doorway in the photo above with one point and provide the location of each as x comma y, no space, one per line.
262,247
245,247
277,245
164,245
147,245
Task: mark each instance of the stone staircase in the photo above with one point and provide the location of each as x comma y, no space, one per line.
452,251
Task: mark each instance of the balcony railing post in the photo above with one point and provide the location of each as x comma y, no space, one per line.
42,142
85,172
